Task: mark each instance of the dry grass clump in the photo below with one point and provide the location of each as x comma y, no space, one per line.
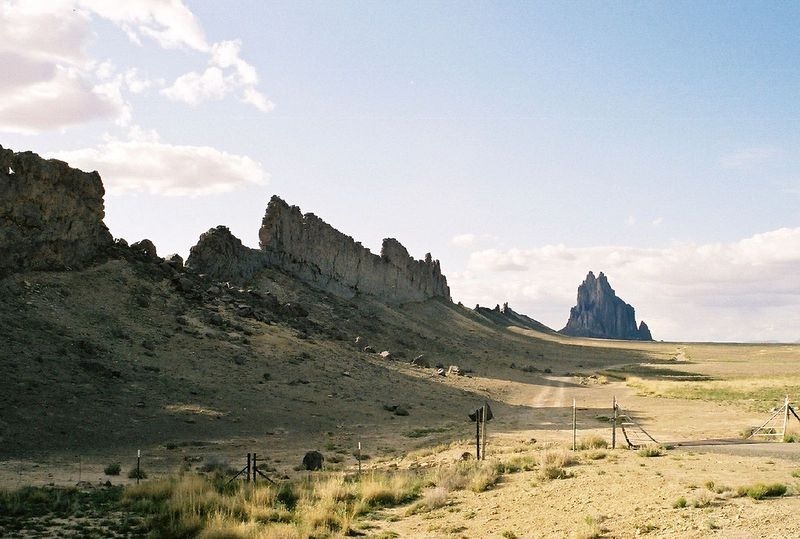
433,498
552,463
651,450
593,528
319,505
592,442
516,464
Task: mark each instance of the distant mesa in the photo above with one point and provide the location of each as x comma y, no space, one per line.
601,314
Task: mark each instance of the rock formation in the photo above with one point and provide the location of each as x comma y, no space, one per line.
313,251
601,314
506,316
222,256
51,215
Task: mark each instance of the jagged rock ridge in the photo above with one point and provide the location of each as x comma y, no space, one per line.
51,215
506,316
601,314
318,254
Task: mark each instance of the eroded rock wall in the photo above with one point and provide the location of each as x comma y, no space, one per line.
51,215
315,252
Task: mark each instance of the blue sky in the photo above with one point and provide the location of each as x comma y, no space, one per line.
523,144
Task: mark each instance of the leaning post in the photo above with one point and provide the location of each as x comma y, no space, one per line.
785,415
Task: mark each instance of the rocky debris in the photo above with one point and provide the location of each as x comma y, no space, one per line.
440,371
144,250
400,411
601,314
175,261
313,251
421,361
387,355
51,215
221,255
369,350
453,370
313,460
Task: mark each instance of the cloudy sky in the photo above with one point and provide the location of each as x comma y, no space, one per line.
522,143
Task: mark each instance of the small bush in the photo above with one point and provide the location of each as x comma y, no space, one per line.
760,491
592,442
112,469
137,473
680,503
651,451
703,499
796,473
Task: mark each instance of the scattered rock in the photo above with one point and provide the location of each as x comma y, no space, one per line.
144,249
386,355
440,371
295,311
400,411
369,349
453,370
313,460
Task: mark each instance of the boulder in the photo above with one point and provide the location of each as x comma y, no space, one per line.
369,350
386,355
313,460
222,256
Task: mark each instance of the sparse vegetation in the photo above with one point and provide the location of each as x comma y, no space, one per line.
652,450
759,491
680,503
592,442
112,469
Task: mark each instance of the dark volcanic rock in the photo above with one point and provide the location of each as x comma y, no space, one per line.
51,215
313,251
601,314
222,256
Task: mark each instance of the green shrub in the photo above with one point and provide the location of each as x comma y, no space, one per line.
137,473
759,491
651,451
680,503
112,469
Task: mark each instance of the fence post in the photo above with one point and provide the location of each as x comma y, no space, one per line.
255,468
785,416
247,474
614,424
483,432
478,434
138,465
574,425
359,459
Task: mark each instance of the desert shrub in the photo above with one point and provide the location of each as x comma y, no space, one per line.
432,499
596,454
759,491
112,469
651,450
137,473
483,478
703,499
680,503
592,442
516,464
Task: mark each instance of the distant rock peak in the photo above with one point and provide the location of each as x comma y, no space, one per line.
601,314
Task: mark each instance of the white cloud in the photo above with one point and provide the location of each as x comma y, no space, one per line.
749,157
630,220
657,221
722,291
144,164
463,240
170,23
49,81
227,73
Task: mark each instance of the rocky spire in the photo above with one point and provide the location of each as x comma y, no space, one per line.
601,314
